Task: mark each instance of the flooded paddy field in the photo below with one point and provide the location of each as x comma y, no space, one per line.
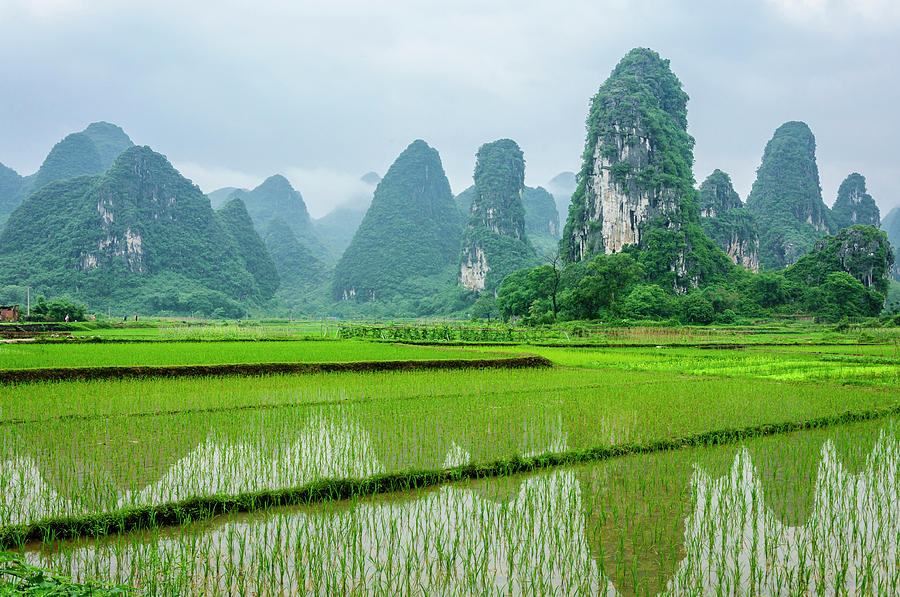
814,512
619,471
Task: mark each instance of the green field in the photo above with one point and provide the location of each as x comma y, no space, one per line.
868,365
24,356
637,459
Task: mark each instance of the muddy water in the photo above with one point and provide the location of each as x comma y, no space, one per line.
815,512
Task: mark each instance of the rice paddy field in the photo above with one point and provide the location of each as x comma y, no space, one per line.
617,470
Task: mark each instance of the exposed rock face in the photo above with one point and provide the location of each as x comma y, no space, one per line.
636,184
474,270
786,197
854,205
495,242
410,233
864,252
624,180
727,222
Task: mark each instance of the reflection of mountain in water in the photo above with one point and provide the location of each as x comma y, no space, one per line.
849,543
445,541
537,535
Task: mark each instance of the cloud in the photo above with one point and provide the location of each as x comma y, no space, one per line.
323,189
838,15
210,178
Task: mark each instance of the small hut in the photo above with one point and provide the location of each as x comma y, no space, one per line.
9,313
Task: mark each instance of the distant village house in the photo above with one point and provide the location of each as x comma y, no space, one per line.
9,313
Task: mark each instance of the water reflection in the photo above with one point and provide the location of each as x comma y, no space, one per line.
109,464
679,523
848,545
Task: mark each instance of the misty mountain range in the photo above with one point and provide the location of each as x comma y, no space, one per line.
116,226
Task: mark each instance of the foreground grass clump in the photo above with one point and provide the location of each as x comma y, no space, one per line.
812,512
20,578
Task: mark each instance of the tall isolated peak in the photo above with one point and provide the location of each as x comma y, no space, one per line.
636,184
786,197
499,183
411,231
717,195
495,243
854,205
637,158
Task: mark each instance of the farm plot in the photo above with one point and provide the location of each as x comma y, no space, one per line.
80,448
867,365
25,356
813,512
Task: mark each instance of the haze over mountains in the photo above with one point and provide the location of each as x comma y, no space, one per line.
116,226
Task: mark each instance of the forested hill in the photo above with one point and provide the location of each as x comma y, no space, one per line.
786,197
854,205
92,151
411,230
276,199
140,237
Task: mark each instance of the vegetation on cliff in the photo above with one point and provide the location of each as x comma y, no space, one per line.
92,151
236,221
411,230
786,197
727,222
139,236
637,168
495,243
337,227
275,198
854,205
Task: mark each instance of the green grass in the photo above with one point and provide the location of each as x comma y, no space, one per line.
877,365
23,356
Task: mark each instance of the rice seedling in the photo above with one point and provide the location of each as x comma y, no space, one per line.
19,356
698,521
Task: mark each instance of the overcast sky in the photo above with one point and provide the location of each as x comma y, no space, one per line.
234,91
